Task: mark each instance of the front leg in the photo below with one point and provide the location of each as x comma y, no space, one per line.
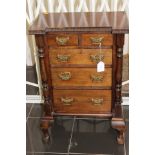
119,125
44,125
46,120
46,83
117,121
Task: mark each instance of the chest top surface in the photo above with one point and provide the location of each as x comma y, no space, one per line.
112,22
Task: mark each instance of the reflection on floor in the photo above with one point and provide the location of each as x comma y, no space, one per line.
73,135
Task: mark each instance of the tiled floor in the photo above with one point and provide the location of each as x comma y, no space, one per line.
73,135
31,76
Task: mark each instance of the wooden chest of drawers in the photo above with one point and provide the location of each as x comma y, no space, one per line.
69,47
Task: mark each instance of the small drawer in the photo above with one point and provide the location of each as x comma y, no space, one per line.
81,77
97,39
73,56
62,40
82,101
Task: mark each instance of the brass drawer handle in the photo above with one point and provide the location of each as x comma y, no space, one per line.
62,40
67,100
97,101
96,40
65,76
96,77
63,58
96,58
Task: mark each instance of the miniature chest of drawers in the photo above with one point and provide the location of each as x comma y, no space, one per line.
69,47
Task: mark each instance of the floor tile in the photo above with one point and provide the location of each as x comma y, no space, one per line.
125,93
90,118
126,112
88,154
31,90
50,153
90,136
60,133
28,108
125,75
30,153
127,139
37,110
31,76
96,137
126,116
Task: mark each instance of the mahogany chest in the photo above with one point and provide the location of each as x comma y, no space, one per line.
69,47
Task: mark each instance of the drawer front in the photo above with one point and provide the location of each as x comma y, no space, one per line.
81,77
82,101
62,40
80,56
96,39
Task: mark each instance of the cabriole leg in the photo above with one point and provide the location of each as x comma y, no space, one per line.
45,124
119,125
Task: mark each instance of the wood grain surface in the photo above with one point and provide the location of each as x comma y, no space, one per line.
80,56
72,40
106,41
81,77
82,101
107,22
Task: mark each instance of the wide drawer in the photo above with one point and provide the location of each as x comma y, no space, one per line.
82,101
97,39
81,77
62,40
80,56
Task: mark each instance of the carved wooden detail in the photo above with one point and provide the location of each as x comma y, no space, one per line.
44,69
41,53
45,86
119,125
120,52
117,121
118,87
118,67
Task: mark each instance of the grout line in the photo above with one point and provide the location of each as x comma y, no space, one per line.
70,140
35,117
29,112
48,153
104,119
88,154
67,118
67,153
126,120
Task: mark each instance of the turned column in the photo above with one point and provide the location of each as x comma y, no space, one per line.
46,83
118,122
